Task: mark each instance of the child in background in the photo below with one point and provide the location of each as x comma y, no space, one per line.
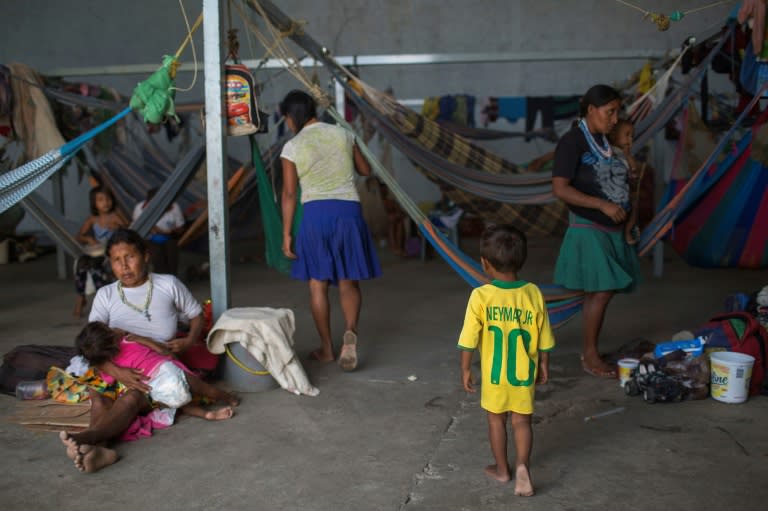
172,384
507,322
163,239
621,139
94,234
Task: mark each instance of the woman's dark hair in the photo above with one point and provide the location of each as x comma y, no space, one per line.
92,198
129,237
97,343
504,247
300,107
597,96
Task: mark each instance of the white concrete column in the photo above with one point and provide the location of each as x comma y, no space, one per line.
216,150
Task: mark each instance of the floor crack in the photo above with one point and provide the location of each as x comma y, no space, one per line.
428,471
743,449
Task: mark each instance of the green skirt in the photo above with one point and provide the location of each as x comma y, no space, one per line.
596,258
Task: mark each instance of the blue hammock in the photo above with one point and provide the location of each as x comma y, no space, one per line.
20,182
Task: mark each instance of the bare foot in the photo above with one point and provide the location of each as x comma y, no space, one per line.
493,472
595,366
70,444
321,355
92,458
221,414
523,485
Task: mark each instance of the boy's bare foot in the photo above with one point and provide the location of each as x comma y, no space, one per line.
493,472
219,415
523,485
92,458
321,355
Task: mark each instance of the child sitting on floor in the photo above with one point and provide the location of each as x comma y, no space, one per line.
507,321
172,384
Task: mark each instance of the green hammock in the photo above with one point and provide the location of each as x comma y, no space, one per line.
271,216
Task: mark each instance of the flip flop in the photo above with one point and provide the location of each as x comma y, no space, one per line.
600,373
348,355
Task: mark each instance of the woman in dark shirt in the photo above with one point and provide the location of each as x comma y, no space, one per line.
593,182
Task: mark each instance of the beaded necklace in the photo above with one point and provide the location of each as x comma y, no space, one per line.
605,152
145,309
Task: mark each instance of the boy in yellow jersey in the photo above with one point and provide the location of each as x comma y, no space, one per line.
507,322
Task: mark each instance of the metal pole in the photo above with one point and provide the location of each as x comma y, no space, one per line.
403,59
218,213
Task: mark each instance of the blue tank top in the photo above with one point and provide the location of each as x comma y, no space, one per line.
101,234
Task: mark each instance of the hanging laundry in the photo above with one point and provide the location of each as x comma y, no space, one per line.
431,108
458,109
513,108
645,81
565,107
489,110
471,100
33,117
460,113
447,106
543,104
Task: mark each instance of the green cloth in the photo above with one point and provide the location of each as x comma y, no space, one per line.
592,259
271,215
154,97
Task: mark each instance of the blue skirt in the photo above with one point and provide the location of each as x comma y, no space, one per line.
334,243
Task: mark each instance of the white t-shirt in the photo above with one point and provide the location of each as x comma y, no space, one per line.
171,301
323,155
172,219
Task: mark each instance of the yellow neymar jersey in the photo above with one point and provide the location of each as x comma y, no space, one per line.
508,323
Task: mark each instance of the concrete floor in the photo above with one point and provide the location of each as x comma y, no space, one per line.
373,440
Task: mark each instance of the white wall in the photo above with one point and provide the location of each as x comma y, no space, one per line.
48,35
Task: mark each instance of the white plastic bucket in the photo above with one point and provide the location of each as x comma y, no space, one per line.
731,373
626,365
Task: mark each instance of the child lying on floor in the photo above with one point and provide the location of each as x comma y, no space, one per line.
172,384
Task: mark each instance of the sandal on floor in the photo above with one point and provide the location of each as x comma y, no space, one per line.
348,355
594,371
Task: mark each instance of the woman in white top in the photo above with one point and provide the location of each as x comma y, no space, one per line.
333,244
